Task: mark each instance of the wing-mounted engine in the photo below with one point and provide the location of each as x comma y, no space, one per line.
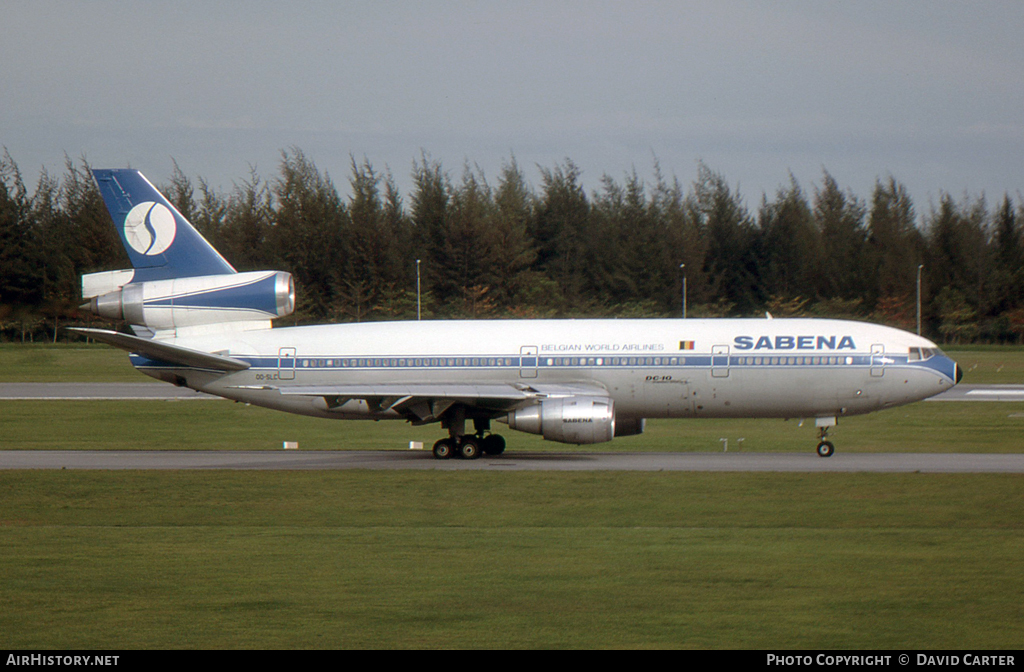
577,419
161,305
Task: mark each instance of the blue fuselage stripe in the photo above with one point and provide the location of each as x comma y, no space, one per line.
699,361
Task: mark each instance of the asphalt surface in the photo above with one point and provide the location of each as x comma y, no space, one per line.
516,461
964,392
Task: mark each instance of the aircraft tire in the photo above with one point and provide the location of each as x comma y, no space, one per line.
493,444
825,449
469,449
443,449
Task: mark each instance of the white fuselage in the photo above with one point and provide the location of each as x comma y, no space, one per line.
725,368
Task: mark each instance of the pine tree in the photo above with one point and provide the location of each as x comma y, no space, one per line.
248,224
1007,276
508,237
430,219
894,243
21,262
791,246
560,229
730,265
307,233
840,220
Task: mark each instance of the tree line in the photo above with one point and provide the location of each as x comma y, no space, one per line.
509,249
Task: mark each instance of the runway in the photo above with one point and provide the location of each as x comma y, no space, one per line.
962,463
964,392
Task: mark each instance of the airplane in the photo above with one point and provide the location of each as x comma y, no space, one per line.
198,323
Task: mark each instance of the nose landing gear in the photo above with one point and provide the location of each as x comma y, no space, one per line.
825,447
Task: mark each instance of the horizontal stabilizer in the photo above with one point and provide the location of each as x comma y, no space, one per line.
164,352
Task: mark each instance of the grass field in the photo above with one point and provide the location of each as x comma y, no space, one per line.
384,559
506,560
62,362
925,427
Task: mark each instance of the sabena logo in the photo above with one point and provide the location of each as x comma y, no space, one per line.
149,228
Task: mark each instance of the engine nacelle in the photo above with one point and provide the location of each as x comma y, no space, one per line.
208,299
568,420
629,426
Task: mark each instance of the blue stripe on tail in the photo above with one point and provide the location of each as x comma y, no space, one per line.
160,242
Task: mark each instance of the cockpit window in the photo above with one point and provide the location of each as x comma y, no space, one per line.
920,354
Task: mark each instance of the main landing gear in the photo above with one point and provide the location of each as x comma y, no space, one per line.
467,446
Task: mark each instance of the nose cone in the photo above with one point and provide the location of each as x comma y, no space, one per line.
949,369
943,365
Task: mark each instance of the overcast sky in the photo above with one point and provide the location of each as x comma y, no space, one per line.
930,92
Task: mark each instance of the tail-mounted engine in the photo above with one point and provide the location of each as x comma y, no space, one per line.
568,420
256,296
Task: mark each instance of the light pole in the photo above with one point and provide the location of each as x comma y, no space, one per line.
919,267
682,267
419,308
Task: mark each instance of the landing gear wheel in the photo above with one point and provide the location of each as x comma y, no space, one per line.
493,444
443,449
825,449
469,449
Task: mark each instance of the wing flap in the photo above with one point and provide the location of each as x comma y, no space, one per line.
422,402
432,390
446,390
426,402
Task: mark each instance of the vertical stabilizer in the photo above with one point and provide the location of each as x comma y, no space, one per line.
160,242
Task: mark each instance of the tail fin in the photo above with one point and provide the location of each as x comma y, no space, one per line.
160,242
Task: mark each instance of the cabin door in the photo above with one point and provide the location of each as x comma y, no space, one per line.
720,361
878,360
528,361
286,364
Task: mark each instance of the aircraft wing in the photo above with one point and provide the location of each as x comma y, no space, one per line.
427,402
175,354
